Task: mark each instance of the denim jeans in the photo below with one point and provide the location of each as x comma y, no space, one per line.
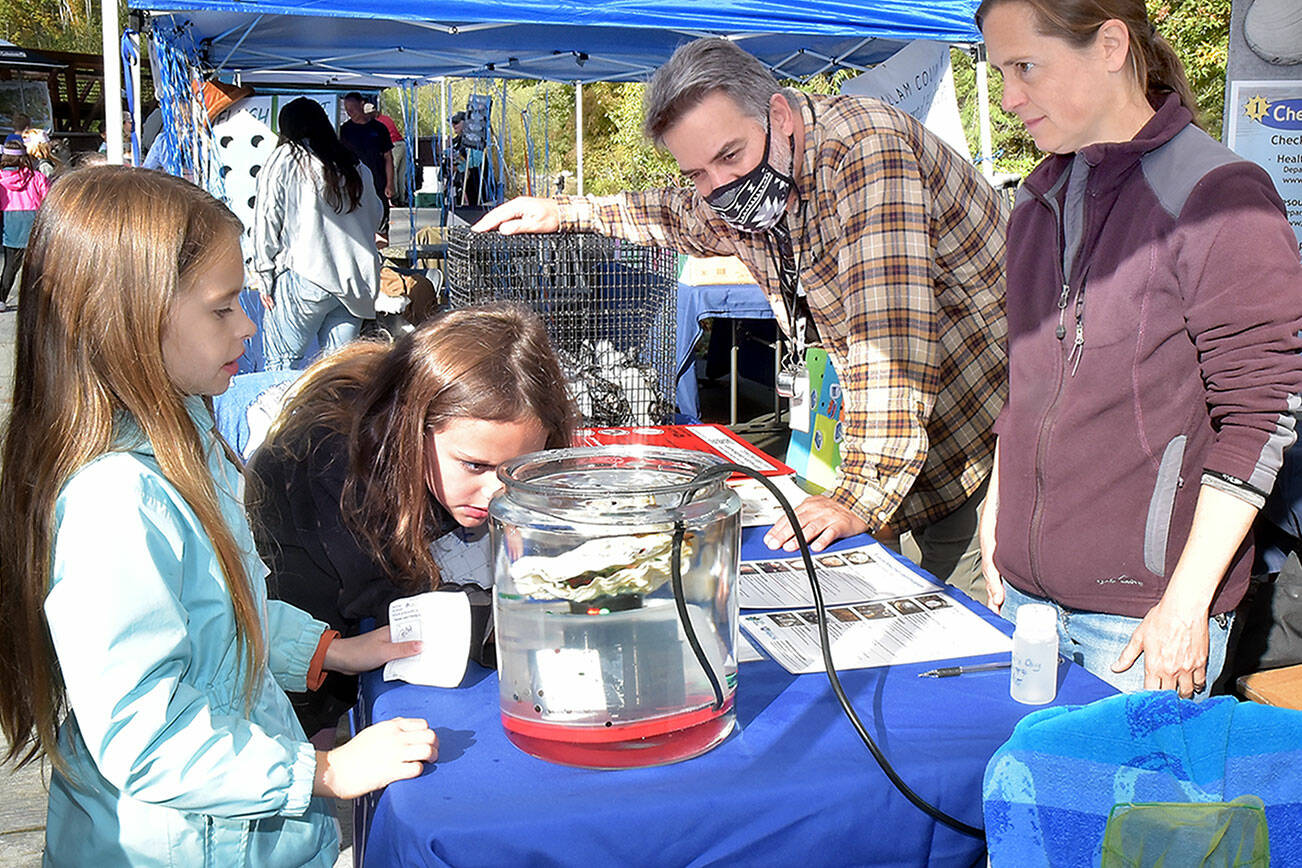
303,311
1095,640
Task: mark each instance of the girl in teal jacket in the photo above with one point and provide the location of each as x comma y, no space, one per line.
140,653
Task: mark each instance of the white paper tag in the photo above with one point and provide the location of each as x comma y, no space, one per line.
404,621
800,410
441,622
570,682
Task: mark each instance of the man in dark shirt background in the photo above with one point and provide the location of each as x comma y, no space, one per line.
369,140
399,152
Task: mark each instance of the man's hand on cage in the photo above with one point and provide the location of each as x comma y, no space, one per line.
523,214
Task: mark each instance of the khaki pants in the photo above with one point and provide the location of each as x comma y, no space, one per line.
950,549
400,173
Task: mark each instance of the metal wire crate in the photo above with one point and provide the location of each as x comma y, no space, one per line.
609,307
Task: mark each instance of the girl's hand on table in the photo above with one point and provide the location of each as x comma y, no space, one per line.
377,756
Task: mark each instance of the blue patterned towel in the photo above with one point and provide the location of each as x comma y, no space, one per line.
1049,789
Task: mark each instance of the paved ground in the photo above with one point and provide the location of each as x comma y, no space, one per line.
22,810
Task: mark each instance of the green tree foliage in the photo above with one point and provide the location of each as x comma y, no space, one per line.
1199,31
539,129
617,156
61,25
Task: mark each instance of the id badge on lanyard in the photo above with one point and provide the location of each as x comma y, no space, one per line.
793,378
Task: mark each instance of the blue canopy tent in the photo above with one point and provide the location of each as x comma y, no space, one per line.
357,44
345,43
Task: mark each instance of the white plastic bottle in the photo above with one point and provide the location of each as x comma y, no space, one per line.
1035,654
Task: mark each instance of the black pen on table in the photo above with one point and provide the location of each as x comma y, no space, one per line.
950,671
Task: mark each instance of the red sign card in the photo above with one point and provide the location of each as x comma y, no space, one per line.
715,439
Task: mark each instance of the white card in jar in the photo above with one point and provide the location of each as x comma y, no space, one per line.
440,620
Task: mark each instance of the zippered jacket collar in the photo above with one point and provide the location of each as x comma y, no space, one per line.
1110,162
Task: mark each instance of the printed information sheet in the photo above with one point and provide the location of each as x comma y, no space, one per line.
856,575
879,612
903,630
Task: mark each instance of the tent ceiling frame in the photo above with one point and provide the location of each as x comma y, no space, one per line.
504,68
252,24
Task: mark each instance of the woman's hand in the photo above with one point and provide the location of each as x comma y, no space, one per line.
366,652
1174,644
377,756
262,285
994,582
1173,635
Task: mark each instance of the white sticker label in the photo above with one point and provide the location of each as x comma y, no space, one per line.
800,408
404,621
441,622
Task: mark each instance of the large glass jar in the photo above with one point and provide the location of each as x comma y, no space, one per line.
601,663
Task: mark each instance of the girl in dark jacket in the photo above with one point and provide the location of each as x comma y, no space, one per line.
387,455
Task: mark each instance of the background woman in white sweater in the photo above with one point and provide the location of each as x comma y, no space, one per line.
314,238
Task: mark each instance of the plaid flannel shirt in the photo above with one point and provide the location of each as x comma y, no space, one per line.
901,250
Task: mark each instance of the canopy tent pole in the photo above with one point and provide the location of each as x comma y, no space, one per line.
445,128
112,86
501,149
983,113
137,119
578,130
444,159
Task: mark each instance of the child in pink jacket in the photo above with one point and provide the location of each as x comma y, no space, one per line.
22,189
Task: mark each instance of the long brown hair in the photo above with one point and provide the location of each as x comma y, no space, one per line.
110,249
491,362
1153,62
306,129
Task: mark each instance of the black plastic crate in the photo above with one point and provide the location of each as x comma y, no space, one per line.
609,307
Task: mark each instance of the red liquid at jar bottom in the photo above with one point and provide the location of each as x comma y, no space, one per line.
653,742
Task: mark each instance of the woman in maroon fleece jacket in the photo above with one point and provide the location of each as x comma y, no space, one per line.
1154,300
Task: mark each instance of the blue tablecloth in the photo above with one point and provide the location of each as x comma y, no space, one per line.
792,785
697,303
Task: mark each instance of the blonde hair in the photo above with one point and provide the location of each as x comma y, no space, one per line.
110,250
491,362
43,150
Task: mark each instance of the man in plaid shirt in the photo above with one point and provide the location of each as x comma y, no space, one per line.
871,239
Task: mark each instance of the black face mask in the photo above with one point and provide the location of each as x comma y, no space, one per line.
757,200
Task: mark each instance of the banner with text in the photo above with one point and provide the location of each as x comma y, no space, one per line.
1263,94
918,80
